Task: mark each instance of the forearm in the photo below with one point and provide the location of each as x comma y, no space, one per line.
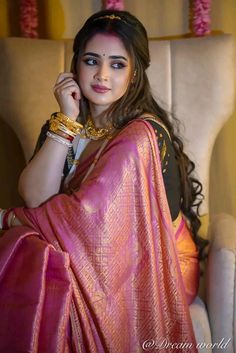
41,178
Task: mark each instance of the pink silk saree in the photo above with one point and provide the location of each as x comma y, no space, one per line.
100,270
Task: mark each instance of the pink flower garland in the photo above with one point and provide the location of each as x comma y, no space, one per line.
201,19
114,5
29,18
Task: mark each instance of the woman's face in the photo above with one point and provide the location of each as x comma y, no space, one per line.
104,71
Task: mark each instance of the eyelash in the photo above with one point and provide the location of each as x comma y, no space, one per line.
119,65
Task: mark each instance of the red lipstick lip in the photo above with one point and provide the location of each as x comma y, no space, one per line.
100,89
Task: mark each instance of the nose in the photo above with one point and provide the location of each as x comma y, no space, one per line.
102,73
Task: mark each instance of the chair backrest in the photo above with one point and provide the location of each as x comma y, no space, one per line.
194,78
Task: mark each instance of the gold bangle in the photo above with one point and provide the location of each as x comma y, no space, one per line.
56,123
74,126
64,129
55,126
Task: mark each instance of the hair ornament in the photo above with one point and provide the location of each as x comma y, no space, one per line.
110,17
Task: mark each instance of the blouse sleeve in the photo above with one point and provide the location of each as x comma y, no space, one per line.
169,165
41,139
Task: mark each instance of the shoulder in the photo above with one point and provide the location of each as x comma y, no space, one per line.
147,123
136,139
148,130
157,124
138,130
135,133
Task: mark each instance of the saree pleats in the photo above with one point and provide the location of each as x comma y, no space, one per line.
35,294
122,273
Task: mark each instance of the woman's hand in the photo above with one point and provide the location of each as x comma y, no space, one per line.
67,93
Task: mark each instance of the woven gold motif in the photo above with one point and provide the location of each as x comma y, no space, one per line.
163,150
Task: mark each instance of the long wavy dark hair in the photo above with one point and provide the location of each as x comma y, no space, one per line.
138,100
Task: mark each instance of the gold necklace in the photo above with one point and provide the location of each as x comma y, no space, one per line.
93,133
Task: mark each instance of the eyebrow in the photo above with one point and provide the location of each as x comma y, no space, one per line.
110,57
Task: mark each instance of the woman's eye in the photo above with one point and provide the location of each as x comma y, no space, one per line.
90,61
118,65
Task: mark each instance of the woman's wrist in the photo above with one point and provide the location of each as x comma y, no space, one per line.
63,129
72,117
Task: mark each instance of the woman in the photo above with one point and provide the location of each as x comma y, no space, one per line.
106,242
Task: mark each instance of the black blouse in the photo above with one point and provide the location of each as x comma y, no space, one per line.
169,164
170,170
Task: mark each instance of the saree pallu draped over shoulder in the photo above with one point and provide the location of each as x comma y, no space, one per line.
99,271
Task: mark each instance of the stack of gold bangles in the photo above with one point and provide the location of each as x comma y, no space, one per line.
63,129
